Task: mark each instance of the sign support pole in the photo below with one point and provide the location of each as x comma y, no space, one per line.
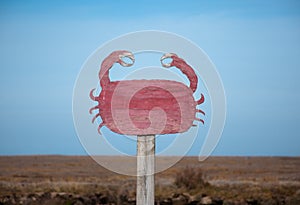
145,169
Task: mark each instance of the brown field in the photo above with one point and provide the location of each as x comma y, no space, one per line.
218,180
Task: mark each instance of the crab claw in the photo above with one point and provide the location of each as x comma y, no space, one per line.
165,56
126,55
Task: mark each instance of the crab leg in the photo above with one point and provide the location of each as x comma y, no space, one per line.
200,111
94,108
200,120
201,100
92,95
94,118
99,127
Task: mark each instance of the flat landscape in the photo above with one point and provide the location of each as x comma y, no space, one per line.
217,180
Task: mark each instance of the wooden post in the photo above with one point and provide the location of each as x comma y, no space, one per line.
145,169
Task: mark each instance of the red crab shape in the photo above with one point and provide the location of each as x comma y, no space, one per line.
146,107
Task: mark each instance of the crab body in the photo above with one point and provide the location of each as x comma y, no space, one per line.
145,107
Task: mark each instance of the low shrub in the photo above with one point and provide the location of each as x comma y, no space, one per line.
190,178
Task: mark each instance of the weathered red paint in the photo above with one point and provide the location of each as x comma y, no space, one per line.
146,107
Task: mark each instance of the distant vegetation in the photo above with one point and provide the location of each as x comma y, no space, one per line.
190,178
78,180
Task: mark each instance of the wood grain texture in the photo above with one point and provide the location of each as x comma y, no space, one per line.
144,107
145,170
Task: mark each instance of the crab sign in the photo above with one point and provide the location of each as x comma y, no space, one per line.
146,107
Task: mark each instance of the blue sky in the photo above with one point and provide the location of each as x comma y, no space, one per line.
255,46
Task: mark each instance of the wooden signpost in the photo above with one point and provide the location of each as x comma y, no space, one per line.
145,169
134,107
